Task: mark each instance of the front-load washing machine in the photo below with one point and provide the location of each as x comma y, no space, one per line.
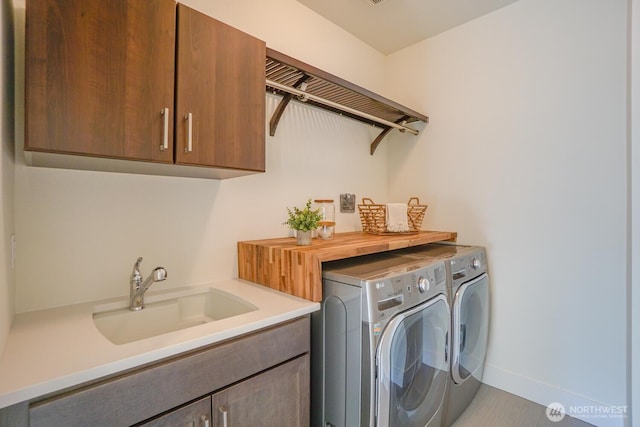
380,343
468,284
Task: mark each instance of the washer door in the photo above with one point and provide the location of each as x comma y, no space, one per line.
412,365
470,329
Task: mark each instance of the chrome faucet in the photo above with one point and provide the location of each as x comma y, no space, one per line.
139,286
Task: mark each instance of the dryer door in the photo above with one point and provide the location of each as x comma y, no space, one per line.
412,366
470,329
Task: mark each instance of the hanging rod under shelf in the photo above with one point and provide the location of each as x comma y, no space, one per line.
337,106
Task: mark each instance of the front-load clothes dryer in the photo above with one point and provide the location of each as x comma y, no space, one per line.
380,343
468,284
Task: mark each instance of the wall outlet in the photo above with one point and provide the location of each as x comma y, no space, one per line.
347,203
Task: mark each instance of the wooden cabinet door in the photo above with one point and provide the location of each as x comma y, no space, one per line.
196,414
98,75
220,85
278,397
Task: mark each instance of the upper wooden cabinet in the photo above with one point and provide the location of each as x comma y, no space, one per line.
98,74
103,79
220,94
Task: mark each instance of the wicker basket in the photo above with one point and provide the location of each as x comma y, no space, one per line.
374,216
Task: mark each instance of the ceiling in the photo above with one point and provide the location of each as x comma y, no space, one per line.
390,25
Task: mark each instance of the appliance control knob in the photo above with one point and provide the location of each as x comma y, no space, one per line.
423,284
475,263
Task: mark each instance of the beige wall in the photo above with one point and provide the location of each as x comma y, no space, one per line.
6,168
526,154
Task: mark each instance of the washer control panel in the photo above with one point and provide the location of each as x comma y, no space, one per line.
392,294
468,265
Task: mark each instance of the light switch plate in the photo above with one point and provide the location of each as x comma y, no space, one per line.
347,203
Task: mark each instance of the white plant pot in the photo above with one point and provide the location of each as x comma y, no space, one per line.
303,237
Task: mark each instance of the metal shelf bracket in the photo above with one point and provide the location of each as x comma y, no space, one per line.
277,114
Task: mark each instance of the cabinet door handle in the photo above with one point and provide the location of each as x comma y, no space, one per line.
205,421
225,419
165,129
189,119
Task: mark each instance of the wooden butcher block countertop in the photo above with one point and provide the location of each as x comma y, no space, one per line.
297,270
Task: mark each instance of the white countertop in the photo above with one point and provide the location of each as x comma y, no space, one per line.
53,349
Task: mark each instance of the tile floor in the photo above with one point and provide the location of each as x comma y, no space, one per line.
495,408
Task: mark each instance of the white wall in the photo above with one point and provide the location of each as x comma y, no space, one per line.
635,210
526,155
6,168
79,232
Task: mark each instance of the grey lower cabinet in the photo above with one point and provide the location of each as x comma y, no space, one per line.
277,398
259,379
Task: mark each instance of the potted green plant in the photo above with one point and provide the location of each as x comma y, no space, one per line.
303,221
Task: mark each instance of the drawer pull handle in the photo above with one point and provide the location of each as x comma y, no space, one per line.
165,129
225,419
189,119
205,421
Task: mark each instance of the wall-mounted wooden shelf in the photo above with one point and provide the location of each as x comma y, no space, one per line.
297,270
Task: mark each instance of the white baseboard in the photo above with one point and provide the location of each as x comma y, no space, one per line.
576,406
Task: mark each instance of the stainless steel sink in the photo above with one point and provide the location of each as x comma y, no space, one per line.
161,316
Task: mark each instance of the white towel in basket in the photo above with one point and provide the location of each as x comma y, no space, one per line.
397,220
